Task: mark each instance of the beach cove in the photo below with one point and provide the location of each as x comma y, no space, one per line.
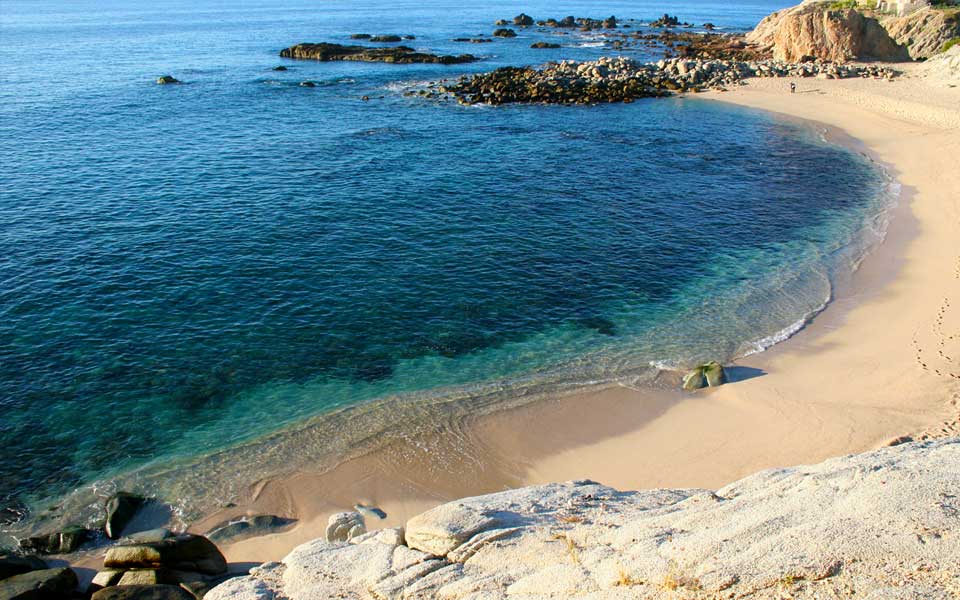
863,373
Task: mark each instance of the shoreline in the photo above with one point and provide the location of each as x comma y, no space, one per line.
870,343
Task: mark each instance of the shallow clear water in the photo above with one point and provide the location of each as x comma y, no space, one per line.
183,268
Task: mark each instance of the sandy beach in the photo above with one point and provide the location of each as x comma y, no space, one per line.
882,361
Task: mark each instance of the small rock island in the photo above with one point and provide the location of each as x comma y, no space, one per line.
396,54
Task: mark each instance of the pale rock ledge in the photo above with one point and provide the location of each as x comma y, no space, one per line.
885,524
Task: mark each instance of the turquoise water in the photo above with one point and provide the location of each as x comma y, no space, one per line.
186,268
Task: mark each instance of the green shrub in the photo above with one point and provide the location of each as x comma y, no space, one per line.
950,44
843,4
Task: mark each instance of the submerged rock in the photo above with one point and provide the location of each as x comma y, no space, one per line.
386,38
396,54
344,526
280,68
167,79
248,527
40,585
541,45
708,374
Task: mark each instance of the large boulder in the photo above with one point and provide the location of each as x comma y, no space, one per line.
814,30
46,584
120,509
184,552
523,20
17,565
143,592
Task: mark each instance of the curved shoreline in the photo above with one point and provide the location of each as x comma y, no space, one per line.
843,384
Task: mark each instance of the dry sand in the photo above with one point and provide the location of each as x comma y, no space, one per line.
882,361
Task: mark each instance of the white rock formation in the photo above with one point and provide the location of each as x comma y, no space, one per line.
885,524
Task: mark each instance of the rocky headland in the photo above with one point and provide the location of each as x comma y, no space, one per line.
885,524
393,54
623,80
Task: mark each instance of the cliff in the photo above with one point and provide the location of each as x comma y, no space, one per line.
925,31
885,524
817,31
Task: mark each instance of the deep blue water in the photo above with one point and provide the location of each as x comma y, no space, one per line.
186,267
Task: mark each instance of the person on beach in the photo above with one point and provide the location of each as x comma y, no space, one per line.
793,88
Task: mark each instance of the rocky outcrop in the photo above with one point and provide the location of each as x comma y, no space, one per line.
167,80
543,45
815,31
580,23
394,54
623,80
886,522
923,32
505,33
944,68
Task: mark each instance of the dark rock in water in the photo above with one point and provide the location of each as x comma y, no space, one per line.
280,68
46,584
541,45
58,542
473,40
143,592
248,527
501,22
308,84
396,54
523,20
505,33
167,79
668,21
11,511
386,38
18,565
582,23
120,510
409,37
360,36
709,26
184,552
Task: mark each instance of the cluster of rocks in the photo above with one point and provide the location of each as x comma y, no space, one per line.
669,21
569,22
885,522
473,40
623,80
395,54
174,565
504,33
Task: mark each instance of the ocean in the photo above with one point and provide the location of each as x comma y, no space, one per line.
186,269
